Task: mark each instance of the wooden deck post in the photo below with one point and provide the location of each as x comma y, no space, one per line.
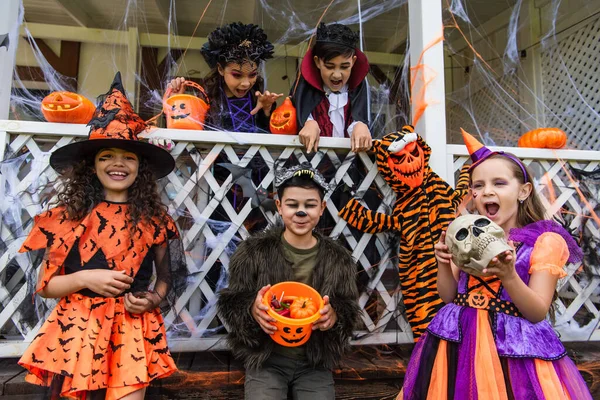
10,19
427,77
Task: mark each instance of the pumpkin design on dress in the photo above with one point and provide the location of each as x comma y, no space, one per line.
283,119
425,205
544,138
67,107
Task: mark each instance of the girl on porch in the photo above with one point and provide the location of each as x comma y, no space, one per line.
491,340
234,86
106,336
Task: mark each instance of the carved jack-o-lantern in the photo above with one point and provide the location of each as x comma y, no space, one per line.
283,119
478,300
407,160
67,107
184,111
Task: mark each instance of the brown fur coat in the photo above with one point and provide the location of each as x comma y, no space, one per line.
258,261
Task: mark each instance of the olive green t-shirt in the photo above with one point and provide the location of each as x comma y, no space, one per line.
303,262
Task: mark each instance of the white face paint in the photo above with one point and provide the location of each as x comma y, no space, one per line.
399,144
474,240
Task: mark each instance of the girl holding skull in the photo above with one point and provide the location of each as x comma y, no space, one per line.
491,340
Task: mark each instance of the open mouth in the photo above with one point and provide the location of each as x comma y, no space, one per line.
118,175
180,116
240,93
491,209
336,82
292,341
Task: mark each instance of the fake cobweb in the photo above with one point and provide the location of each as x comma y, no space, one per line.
510,67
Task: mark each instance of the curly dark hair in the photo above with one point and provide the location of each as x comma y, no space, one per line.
80,191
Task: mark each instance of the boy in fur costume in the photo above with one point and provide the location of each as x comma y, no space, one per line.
291,253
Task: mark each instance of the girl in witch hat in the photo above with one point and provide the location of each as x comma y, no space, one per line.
109,228
234,85
492,340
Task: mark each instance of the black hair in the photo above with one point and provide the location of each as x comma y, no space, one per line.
327,51
301,181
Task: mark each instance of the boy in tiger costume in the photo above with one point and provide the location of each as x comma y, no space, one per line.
425,205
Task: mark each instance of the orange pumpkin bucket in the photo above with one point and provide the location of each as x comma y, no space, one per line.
293,332
184,111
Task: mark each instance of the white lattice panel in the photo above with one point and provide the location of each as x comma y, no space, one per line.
212,215
486,105
571,82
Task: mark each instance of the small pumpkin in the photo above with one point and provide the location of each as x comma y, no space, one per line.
544,138
67,107
283,119
303,307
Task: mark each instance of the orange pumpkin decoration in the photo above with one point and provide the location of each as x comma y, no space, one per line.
184,111
293,332
67,107
302,307
283,119
544,138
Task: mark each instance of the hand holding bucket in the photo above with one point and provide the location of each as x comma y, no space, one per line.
184,111
293,332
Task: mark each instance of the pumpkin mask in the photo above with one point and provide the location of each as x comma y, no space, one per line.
402,158
283,119
67,107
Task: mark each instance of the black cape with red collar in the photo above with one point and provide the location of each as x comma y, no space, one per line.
309,92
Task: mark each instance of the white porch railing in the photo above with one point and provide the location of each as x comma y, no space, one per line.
213,216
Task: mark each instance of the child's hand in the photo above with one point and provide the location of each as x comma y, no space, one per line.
259,312
141,302
309,135
361,138
105,282
503,265
176,85
265,101
442,254
328,317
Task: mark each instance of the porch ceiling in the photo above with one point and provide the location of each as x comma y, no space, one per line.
384,33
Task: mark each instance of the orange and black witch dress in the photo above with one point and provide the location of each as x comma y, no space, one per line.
90,342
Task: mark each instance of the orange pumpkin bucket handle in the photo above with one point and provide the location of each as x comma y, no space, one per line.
192,110
192,84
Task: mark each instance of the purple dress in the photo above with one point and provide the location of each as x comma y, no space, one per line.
481,347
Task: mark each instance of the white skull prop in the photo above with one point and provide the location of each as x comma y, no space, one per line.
473,241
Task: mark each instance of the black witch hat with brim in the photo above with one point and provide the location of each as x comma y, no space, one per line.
114,125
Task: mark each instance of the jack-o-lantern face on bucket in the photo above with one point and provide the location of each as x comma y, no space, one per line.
67,107
283,119
179,110
294,335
